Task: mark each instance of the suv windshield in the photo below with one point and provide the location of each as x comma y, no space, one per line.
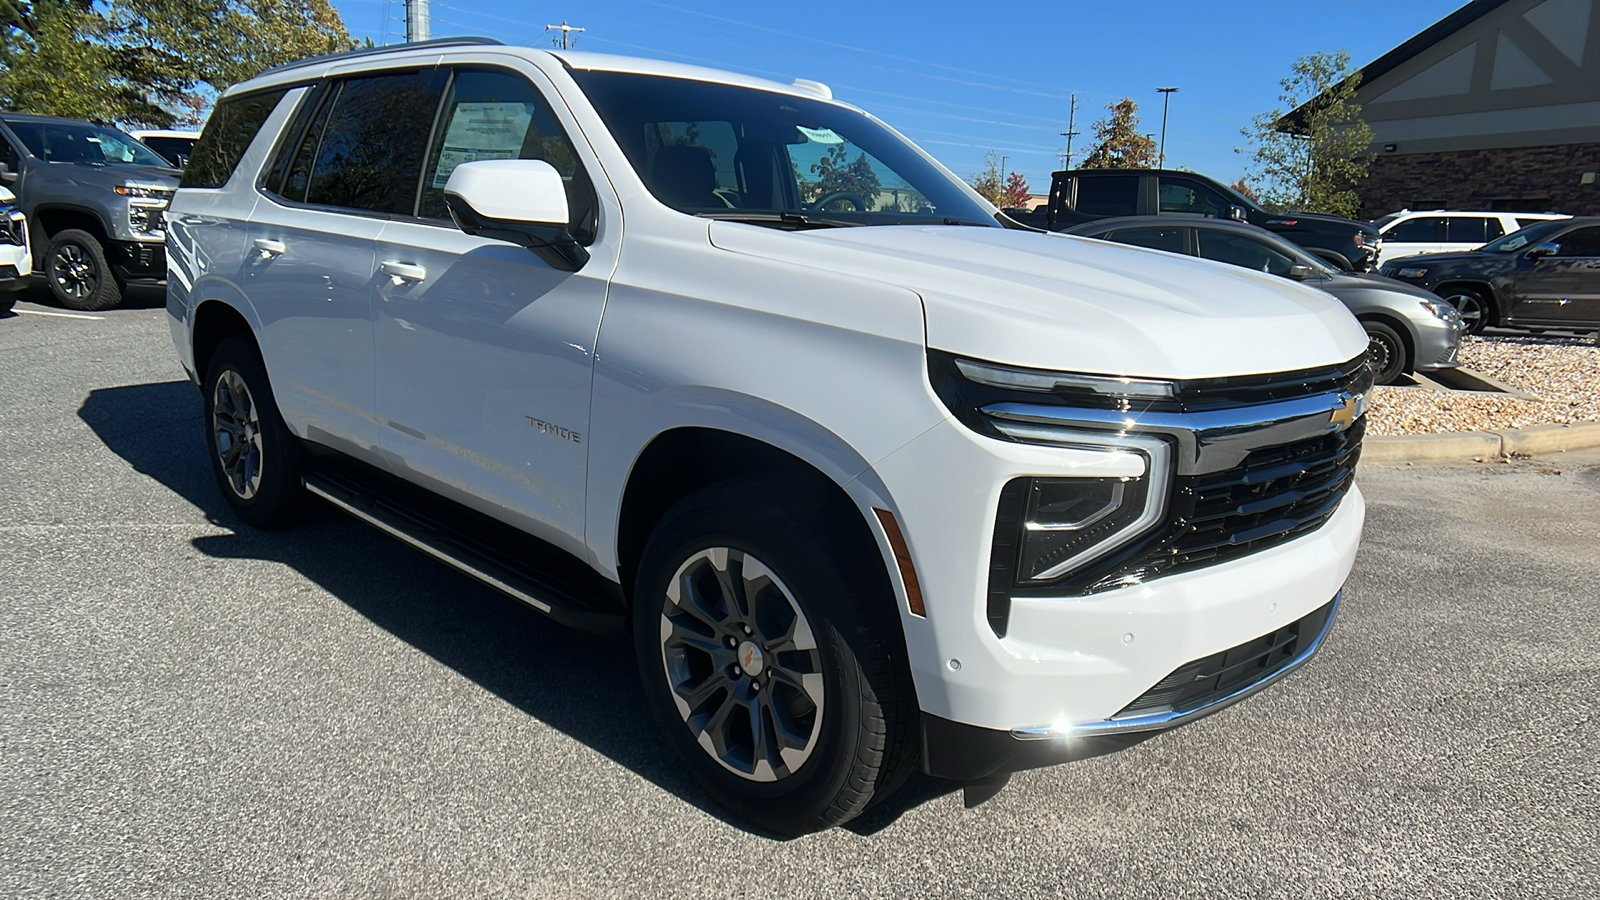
80,142
1516,240
731,152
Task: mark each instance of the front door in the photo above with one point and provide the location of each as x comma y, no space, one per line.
1562,288
485,352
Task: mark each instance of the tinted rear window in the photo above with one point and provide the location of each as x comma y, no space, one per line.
1168,239
370,155
1113,195
227,135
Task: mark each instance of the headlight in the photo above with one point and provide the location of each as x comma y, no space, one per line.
1412,272
1044,382
1065,523
1441,309
136,190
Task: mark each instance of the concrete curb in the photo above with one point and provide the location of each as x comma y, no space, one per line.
1426,448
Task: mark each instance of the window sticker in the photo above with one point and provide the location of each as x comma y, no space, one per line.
820,135
482,131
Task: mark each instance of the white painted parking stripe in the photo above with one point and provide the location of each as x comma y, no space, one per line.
40,312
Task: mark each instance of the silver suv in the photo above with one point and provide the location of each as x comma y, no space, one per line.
96,199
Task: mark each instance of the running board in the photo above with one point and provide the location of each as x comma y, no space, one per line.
461,551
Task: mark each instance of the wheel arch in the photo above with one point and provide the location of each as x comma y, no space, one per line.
1402,328
214,322
49,220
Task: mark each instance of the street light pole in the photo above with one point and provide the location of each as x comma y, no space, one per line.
1166,98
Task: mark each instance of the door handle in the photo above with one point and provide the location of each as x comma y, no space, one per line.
270,248
401,272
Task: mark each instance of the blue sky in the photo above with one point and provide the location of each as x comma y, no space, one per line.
963,78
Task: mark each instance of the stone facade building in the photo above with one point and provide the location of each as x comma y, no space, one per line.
1497,106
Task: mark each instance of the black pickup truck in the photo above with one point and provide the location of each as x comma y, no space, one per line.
1084,195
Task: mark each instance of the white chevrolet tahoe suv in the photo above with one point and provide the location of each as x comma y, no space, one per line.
876,477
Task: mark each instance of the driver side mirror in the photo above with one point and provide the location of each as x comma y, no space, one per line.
6,175
521,201
1301,272
1548,248
1238,214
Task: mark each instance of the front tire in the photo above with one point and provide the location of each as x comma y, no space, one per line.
255,458
79,276
1476,309
1386,352
772,658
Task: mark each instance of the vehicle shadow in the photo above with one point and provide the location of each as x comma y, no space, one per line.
134,296
569,680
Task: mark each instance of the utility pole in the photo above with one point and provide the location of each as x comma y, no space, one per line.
417,20
1166,97
1071,132
566,34
1003,170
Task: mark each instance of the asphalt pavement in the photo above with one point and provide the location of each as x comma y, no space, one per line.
193,709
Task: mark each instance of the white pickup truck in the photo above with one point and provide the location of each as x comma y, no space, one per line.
876,478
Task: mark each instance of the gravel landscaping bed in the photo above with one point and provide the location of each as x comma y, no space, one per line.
1563,372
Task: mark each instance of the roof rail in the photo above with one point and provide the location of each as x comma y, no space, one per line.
369,51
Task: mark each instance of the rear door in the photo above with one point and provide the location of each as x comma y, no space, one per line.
484,350
1563,288
1179,196
352,162
1464,233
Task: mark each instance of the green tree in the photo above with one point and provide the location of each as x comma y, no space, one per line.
1311,153
835,171
150,62
1118,142
988,182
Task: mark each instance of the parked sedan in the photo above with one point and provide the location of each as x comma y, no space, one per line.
1408,329
1545,276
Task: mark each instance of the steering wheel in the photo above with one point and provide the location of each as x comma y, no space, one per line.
855,199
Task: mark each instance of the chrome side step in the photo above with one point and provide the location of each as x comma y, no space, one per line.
462,552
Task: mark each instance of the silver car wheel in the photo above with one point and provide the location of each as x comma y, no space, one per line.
236,433
742,663
1471,308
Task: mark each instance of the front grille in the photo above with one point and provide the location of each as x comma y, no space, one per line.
1205,681
1277,494
1351,377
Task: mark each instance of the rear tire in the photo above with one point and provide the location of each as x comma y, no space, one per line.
772,658
1386,353
79,276
255,458
1476,309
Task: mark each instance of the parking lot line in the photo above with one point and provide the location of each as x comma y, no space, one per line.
59,315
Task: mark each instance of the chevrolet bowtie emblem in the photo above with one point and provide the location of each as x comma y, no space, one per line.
1348,411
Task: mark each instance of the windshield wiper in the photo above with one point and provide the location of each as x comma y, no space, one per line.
783,219
947,220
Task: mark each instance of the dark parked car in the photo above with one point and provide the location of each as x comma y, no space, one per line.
1086,195
1408,329
1545,276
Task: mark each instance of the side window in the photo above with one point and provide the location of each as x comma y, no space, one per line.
371,152
1466,229
499,115
291,170
1422,230
1183,197
1238,250
1168,239
1112,195
1492,229
8,155
692,165
228,133
1585,242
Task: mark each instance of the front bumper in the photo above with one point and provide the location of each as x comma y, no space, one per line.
11,280
968,753
1438,345
138,260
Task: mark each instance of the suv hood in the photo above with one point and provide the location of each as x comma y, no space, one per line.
1323,219
114,173
1056,302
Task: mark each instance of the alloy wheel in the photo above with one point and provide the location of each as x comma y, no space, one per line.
236,433
1472,312
1381,355
742,663
73,271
